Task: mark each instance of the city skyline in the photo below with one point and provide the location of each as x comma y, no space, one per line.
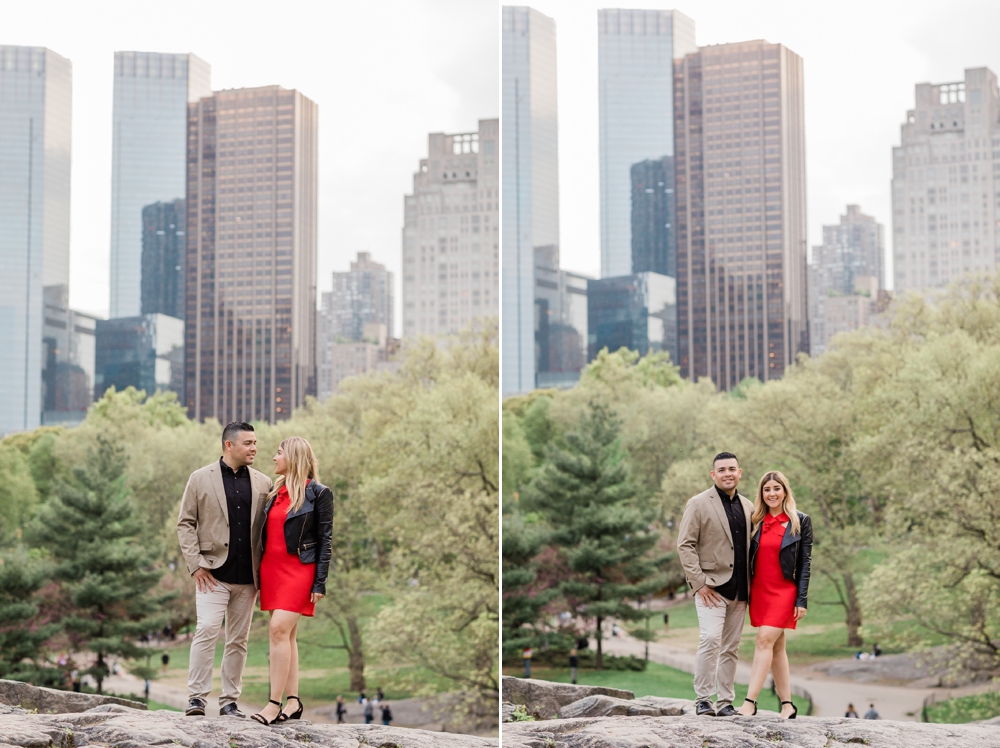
438,90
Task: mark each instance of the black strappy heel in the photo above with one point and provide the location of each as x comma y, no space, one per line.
792,715
294,715
754,708
258,717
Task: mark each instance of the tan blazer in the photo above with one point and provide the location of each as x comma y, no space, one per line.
705,542
203,524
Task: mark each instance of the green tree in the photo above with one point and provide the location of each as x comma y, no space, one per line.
18,494
586,495
23,631
522,601
90,530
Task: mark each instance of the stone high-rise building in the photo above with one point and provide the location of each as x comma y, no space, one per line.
739,135
636,52
362,295
849,263
148,155
36,87
530,181
451,234
944,195
250,348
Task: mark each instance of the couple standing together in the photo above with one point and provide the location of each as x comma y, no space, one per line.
736,554
239,533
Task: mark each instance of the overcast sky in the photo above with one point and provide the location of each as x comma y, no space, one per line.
384,74
862,60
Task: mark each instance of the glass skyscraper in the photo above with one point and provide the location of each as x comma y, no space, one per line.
638,312
636,51
654,246
145,352
164,249
530,190
35,123
149,152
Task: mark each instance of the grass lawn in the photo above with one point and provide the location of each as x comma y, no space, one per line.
156,706
965,709
656,680
323,667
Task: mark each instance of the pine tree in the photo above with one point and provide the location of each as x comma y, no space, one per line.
23,632
522,602
91,532
586,493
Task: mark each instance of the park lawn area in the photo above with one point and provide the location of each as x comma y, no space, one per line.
655,680
323,668
965,708
156,706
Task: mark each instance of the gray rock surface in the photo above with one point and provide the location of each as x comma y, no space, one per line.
607,706
544,698
668,707
52,701
945,666
161,728
762,731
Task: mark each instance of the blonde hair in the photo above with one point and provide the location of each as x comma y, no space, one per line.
300,466
760,509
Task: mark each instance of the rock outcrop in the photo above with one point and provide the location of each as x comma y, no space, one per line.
544,698
53,701
114,725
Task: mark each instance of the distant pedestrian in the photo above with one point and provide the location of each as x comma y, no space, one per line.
147,689
850,712
165,660
386,714
871,713
876,650
341,709
379,694
615,630
369,712
526,657
74,676
574,663
362,697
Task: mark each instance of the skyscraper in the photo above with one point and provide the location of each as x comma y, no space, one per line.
654,217
845,277
741,211
560,321
944,197
164,250
149,153
451,234
251,254
530,180
35,124
361,295
636,50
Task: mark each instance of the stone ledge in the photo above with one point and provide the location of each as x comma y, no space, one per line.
54,701
544,699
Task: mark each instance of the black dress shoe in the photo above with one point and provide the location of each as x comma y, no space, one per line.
704,708
727,711
196,708
231,710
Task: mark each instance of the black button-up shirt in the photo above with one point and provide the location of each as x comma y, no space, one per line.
736,587
238,568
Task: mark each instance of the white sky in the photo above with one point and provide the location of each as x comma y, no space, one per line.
384,74
862,59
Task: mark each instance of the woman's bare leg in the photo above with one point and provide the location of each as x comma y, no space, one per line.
782,674
292,682
280,630
762,655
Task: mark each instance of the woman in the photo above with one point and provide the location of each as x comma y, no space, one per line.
297,539
780,553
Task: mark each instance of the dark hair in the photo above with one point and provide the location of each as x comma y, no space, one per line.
233,429
725,456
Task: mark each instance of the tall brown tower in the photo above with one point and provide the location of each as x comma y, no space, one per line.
250,349
739,139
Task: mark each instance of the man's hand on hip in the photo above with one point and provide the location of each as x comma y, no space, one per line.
205,581
710,597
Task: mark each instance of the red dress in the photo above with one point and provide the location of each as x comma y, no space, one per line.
285,582
772,597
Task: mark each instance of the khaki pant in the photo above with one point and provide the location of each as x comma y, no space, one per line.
234,603
720,629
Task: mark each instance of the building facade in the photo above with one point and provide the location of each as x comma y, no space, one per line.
35,144
654,217
530,180
944,195
636,52
849,263
560,321
451,234
638,312
164,257
145,352
362,295
68,342
372,352
250,310
149,155
741,212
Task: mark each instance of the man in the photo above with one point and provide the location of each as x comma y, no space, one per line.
369,712
871,713
574,663
386,714
713,546
341,710
219,530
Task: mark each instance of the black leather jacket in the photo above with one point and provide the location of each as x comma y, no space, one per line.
309,531
795,556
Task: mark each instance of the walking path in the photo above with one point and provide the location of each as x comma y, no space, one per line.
830,696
